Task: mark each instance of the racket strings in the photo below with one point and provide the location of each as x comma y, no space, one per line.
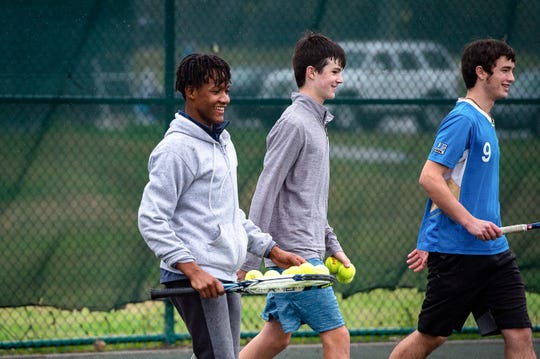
289,284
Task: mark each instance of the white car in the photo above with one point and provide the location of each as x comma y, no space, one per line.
385,70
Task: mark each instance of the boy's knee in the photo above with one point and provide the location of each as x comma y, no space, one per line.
519,336
337,336
417,345
281,343
438,341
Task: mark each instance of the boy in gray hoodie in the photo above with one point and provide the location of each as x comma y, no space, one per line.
291,203
189,213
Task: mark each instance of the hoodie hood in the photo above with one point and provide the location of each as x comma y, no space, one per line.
184,124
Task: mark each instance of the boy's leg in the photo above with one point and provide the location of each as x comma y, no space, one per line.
211,324
268,343
507,300
416,346
336,343
445,306
234,302
518,343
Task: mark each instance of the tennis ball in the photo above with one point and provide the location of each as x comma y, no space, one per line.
321,269
253,274
332,264
346,275
271,273
291,270
99,345
306,268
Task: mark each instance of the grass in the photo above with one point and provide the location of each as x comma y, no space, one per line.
70,202
376,310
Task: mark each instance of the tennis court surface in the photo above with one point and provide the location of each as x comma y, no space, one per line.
470,349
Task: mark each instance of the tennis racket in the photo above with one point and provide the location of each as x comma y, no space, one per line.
281,284
520,227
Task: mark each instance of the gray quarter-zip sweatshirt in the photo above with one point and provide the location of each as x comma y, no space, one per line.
291,198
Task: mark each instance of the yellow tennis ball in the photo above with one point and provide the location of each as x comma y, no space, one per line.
332,264
321,269
346,275
306,268
344,280
271,273
99,345
291,270
253,274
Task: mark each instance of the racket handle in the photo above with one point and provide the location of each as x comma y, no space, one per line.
514,228
170,292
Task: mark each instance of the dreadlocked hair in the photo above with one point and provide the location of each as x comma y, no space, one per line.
198,69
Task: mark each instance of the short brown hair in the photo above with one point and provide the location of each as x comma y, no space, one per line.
314,49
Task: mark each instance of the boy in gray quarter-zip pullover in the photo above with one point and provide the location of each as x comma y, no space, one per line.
291,202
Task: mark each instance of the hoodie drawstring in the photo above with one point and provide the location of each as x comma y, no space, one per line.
222,185
212,178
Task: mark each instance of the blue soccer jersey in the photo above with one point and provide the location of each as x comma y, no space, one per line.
467,144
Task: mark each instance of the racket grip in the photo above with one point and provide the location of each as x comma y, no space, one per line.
170,292
514,228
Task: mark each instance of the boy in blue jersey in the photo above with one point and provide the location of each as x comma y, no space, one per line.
471,268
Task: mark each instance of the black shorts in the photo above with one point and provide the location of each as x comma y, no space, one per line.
487,286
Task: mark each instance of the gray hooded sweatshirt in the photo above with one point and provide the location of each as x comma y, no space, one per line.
189,209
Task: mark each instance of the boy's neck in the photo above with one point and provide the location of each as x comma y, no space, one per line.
480,100
306,90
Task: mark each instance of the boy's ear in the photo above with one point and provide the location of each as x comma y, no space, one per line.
480,73
310,72
190,92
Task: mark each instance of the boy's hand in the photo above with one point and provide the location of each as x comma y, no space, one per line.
342,257
417,260
284,259
207,285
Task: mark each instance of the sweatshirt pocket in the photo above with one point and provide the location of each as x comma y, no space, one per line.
228,250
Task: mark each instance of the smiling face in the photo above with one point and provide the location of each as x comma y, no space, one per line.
207,103
498,83
322,85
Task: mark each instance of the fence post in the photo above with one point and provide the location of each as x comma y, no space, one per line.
169,39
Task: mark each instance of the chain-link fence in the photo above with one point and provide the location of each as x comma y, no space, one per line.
87,92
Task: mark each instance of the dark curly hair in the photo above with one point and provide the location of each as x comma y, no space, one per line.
483,53
197,69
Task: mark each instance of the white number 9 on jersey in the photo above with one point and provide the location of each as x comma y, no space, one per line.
487,152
